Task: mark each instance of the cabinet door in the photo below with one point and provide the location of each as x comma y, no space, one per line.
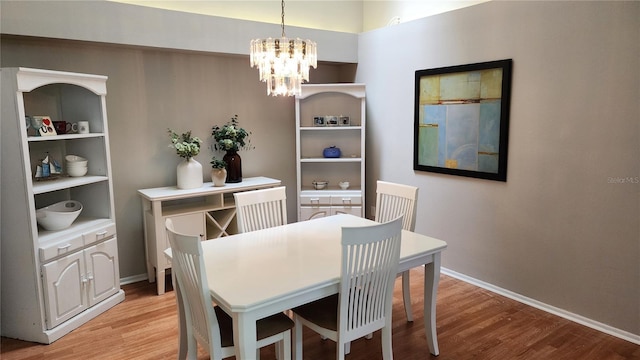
102,272
353,210
64,285
191,224
312,212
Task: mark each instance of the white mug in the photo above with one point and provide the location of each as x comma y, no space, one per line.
83,127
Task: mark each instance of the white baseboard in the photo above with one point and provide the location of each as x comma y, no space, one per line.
134,278
625,335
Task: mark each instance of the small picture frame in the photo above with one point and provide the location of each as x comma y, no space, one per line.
344,121
319,121
332,120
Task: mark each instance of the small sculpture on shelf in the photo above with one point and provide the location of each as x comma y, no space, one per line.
48,169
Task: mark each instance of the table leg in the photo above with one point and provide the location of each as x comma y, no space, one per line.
160,274
160,244
146,206
431,280
244,338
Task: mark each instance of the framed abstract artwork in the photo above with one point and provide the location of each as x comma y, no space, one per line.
461,119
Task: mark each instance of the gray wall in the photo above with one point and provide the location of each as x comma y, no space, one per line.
150,90
565,227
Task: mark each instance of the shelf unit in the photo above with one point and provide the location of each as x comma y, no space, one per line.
208,211
54,281
324,100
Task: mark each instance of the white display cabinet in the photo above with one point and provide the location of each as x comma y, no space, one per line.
330,115
54,281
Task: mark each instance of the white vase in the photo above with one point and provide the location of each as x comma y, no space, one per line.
218,176
189,174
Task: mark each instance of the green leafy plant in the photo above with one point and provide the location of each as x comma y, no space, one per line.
230,136
186,146
217,163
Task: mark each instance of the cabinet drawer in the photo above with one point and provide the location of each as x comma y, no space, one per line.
99,234
315,200
346,200
58,248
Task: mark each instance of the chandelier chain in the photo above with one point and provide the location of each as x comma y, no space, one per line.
283,35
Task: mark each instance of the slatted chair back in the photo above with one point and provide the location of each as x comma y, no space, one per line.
188,265
369,267
261,209
393,200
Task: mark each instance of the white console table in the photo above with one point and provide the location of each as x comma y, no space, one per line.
208,210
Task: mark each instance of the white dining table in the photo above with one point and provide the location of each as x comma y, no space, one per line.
256,274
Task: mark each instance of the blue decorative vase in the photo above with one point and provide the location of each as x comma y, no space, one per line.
331,152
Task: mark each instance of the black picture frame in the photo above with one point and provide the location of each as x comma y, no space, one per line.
461,119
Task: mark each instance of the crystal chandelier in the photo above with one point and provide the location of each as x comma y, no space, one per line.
283,63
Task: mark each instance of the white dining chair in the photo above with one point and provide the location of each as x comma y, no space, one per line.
209,325
261,209
393,200
370,257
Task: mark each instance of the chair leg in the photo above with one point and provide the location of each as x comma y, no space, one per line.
297,338
387,349
284,352
406,295
341,350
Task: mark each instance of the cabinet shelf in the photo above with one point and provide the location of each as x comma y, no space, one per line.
63,137
64,182
330,191
193,208
330,160
81,224
329,128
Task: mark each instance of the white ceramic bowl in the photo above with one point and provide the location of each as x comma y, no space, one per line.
77,171
59,215
76,165
75,160
344,185
319,185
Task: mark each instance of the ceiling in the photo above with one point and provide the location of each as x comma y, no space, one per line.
353,16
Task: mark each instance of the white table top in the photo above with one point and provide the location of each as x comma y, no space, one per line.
254,269
171,192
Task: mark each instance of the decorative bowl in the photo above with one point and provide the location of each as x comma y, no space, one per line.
77,171
344,185
75,160
331,152
59,215
319,185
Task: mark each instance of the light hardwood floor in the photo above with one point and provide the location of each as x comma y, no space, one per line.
472,323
